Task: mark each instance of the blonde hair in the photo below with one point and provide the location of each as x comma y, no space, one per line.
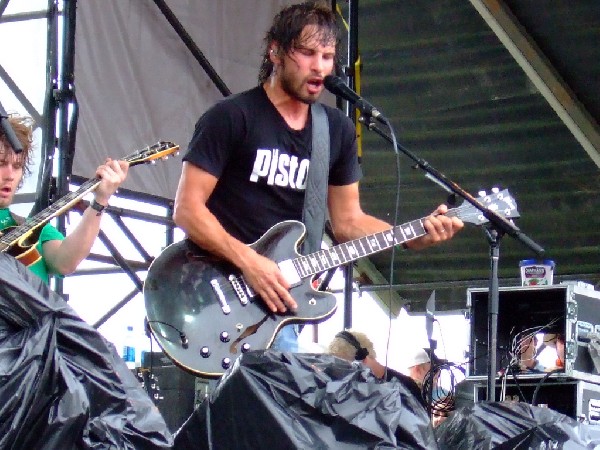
341,348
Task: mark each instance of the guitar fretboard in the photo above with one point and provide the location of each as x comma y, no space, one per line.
58,207
323,260
149,154
314,263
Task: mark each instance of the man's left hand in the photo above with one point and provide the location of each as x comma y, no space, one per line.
439,228
112,173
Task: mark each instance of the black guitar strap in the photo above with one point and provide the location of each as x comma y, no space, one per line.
315,196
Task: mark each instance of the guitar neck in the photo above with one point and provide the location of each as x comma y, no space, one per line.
314,263
153,153
57,208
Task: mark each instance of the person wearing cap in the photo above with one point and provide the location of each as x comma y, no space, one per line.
419,366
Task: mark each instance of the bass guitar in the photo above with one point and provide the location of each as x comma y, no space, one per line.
203,314
19,241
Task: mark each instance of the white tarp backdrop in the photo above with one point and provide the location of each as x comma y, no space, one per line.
137,83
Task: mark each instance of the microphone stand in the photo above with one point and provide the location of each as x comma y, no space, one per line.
11,137
496,228
429,319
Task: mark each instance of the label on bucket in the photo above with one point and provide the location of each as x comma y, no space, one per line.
535,273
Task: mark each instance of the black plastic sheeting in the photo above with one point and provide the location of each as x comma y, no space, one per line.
62,385
274,400
514,426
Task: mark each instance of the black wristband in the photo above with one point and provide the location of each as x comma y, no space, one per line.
97,207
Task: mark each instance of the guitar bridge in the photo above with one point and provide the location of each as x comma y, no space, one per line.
239,288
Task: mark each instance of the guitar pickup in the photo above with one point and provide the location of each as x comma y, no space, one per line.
220,296
240,288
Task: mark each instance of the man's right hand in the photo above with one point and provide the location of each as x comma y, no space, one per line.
265,277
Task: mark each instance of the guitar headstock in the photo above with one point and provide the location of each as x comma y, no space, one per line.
152,153
500,202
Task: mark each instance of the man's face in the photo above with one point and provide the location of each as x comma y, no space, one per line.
303,68
11,172
419,371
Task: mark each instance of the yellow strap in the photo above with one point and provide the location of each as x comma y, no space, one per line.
357,69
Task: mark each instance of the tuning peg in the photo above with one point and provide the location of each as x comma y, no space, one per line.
495,190
481,193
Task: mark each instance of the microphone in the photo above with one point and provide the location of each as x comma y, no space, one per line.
8,131
336,86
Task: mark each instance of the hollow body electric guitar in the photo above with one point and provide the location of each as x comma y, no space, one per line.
204,315
20,241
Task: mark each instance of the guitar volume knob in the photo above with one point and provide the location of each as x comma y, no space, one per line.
224,336
205,352
245,347
226,363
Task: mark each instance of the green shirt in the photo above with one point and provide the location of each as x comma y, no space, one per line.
48,233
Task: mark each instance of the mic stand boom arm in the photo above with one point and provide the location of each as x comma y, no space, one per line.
496,228
496,221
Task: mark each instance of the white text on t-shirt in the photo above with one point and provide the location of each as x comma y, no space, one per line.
280,169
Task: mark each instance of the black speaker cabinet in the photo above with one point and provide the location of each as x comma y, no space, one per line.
177,394
571,309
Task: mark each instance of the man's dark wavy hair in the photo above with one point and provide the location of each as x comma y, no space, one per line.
287,28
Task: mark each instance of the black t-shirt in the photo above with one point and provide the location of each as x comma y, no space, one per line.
262,163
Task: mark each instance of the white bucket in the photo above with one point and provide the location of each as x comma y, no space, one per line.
537,273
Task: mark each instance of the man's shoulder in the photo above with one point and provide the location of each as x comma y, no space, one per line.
247,97
338,119
236,106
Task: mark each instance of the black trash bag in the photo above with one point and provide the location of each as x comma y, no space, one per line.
62,385
513,426
274,400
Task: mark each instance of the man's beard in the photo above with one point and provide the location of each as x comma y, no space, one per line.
294,91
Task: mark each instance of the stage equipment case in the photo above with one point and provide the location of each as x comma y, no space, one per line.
574,398
571,309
